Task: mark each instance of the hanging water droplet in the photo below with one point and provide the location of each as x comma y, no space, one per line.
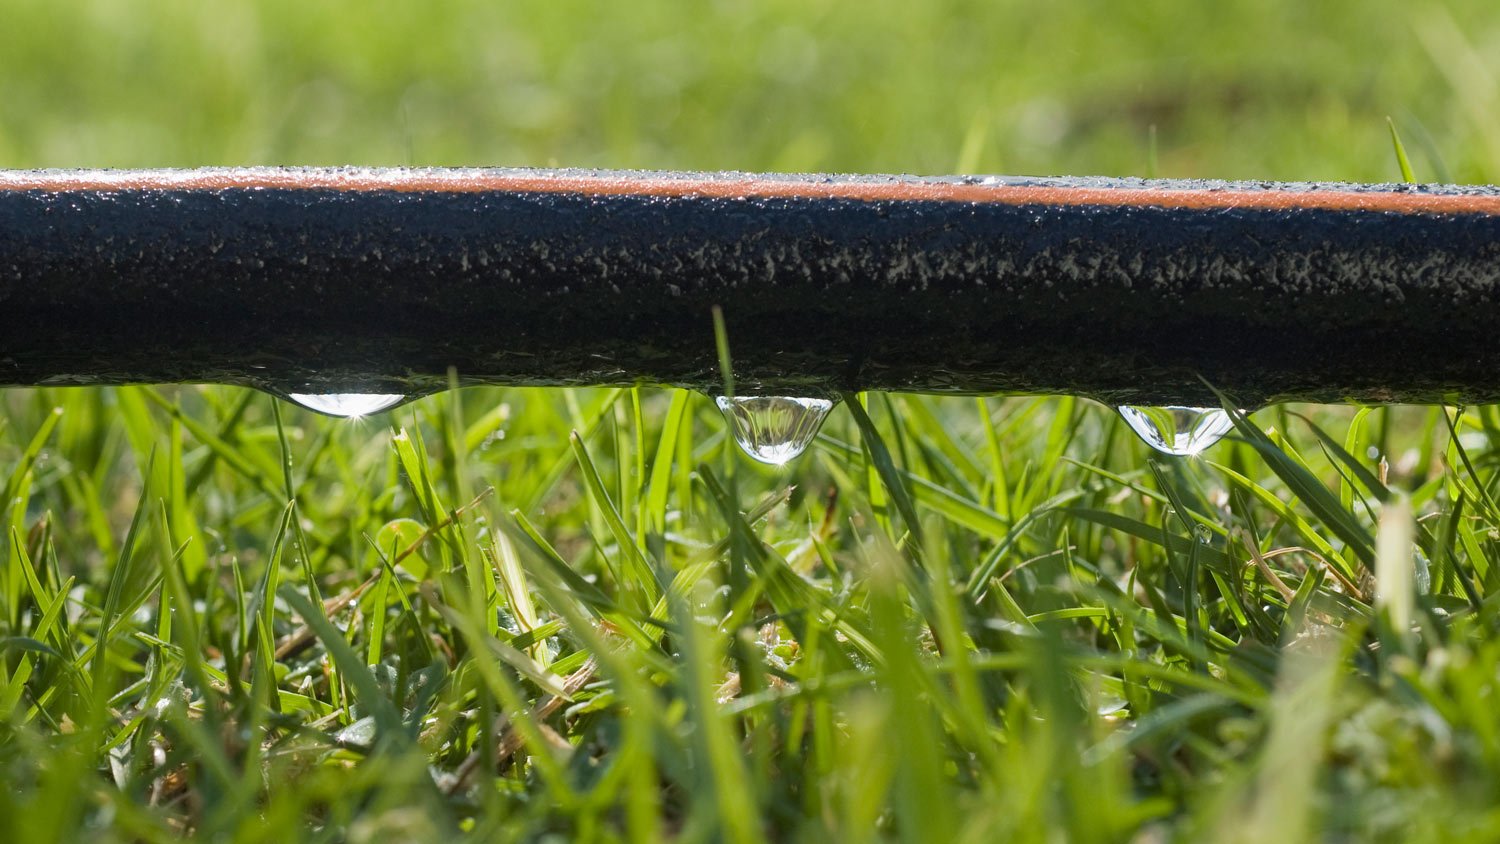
774,429
346,405
1177,430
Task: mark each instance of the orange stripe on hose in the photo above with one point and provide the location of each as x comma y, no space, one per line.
748,187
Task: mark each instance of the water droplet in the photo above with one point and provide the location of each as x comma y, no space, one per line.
774,429
1176,430
346,405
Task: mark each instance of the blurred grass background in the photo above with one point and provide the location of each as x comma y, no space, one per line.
1277,89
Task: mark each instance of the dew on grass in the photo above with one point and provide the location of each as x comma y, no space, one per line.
346,405
1177,430
774,429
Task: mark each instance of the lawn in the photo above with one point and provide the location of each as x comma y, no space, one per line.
546,614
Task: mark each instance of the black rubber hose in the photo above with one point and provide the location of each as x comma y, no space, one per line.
1132,292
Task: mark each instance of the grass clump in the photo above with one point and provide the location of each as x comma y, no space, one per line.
953,619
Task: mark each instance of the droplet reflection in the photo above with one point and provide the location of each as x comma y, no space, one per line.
1176,430
346,405
774,429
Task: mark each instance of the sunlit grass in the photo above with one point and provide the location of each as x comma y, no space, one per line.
524,634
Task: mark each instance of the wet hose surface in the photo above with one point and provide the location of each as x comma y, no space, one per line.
1133,292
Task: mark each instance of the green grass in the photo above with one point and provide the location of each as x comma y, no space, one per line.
555,615
1254,89
993,618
